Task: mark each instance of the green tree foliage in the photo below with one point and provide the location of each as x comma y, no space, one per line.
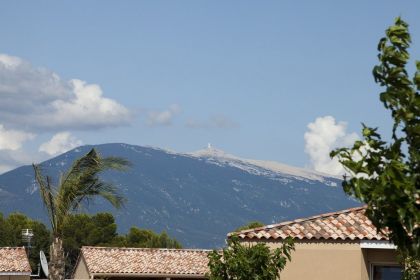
143,238
79,230
85,230
249,262
10,235
250,225
101,230
386,176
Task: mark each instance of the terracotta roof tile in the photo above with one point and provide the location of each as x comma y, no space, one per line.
14,259
105,260
350,224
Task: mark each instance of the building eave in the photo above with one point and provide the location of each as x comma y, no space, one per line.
377,244
14,273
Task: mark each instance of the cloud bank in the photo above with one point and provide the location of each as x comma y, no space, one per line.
11,142
324,135
60,143
13,139
163,118
34,98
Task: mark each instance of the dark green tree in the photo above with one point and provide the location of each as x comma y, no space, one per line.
85,230
3,231
41,241
101,230
79,230
250,225
10,235
249,261
144,238
386,175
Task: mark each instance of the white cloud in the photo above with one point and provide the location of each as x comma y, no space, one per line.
13,139
216,121
163,118
60,143
4,168
10,61
37,98
324,135
10,159
11,154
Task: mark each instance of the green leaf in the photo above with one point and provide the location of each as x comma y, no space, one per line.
386,176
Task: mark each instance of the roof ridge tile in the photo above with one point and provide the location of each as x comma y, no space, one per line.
348,224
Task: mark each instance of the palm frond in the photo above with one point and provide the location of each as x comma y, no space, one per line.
86,162
105,190
47,195
115,163
82,183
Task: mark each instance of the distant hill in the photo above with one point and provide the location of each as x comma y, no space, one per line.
197,198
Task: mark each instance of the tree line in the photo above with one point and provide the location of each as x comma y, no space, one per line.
78,230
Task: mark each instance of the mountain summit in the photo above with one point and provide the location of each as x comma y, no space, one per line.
260,166
212,152
196,198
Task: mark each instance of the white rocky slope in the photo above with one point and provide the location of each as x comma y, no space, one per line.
261,167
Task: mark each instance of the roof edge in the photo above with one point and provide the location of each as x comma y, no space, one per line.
93,249
267,227
145,249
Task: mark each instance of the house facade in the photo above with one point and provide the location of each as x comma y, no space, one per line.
140,263
340,245
14,264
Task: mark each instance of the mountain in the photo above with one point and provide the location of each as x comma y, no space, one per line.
197,198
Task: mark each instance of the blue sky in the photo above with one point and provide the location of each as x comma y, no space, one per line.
246,76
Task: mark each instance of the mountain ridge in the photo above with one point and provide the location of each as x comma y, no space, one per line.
196,198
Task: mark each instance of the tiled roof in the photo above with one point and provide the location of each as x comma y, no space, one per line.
350,224
14,260
142,261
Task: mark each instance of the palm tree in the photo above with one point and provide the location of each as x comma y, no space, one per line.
80,184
